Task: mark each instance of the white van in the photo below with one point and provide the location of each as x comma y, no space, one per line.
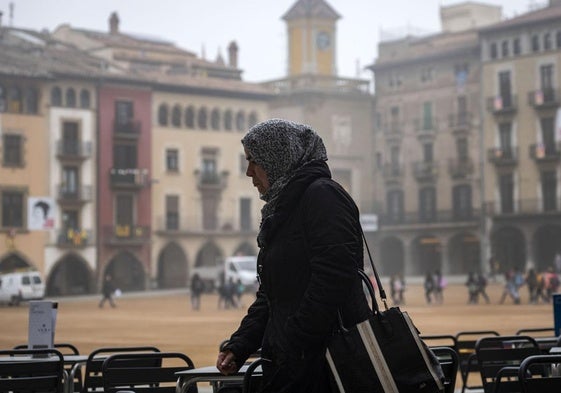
242,268
21,286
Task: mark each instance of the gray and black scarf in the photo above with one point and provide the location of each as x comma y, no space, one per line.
282,147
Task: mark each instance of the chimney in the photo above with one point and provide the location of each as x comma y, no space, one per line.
233,54
114,23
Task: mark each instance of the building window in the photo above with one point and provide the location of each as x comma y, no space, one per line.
31,100
428,152
190,117
493,50
427,204
228,120
516,46
163,115
549,190
176,116
124,113
85,100
56,96
12,209
462,148
215,119
558,39
2,98
504,48
15,100
70,98
202,119
240,121
548,135
535,43
546,41
505,139
506,192
70,138
124,214
394,206
172,212
70,182
245,214
427,116
505,89
13,150
172,160
461,200
243,164
124,156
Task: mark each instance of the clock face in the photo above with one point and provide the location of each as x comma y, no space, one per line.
323,40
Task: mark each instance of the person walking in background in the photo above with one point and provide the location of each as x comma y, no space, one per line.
400,283
428,285
511,287
482,287
310,247
551,283
196,289
439,285
471,284
532,282
107,290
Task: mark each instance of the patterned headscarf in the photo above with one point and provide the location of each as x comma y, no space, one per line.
281,147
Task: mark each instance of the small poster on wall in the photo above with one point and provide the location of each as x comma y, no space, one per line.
40,213
42,323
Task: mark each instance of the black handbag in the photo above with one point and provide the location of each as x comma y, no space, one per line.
383,353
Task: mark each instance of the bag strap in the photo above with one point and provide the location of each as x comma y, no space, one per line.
376,275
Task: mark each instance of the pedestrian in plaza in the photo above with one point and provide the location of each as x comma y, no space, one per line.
310,249
482,287
471,284
532,282
107,290
428,286
196,289
439,285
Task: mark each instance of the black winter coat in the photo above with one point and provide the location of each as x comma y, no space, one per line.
310,249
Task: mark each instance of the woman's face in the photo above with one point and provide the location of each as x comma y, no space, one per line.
257,174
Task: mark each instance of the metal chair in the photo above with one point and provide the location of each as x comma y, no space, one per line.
465,347
93,376
540,373
449,362
144,372
31,370
250,381
498,359
440,340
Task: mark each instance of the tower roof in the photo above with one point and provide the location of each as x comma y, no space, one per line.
311,8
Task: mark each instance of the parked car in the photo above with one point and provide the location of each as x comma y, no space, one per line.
16,287
242,268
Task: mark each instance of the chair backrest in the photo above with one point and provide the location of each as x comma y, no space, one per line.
440,340
540,373
144,372
449,362
93,380
496,353
251,382
64,348
465,347
31,370
537,332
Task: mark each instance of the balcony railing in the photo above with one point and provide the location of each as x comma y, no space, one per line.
212,180
129,130
460,167
524,207
74,195
425,170
504,104
393,172
544,98
440,216
426,126
460,122
126,234
314,82
393,131
73,149
503,156
74,238
128,177
545,153
196,225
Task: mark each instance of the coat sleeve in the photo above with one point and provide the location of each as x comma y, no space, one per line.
248,338
334,245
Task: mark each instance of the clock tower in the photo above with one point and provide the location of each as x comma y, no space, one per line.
311,38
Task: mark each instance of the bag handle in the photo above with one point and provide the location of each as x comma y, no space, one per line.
377,277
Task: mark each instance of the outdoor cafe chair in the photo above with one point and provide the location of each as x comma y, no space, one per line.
440,340
252,382
32,370
540,374
465,347
449,362
498,359
93,379
545,337
144,372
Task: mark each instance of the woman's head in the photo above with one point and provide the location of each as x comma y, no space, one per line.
276,148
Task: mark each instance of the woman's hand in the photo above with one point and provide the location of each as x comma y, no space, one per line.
226,363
